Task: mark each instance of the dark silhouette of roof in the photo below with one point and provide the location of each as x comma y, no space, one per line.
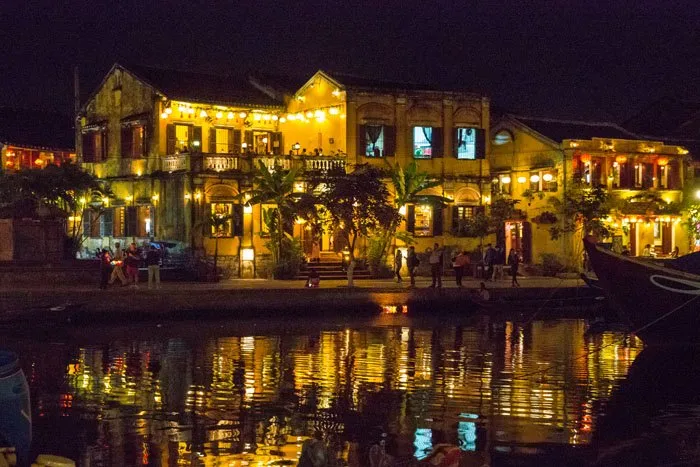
202,87
36,128
667,117
351,81
559,130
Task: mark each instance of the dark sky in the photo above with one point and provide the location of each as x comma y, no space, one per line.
601,59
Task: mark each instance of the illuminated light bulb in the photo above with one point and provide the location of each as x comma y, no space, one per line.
266,117
264,140
535,178
291,117
402,210
494,180
522,179
319,114
164,115
203,114
342,116
257,117
182,108
230,116
190,111
243,115
547,177
334,111
336,92
309,114
505,179
275,118
282,119
247,208
219,114
300,116
168,111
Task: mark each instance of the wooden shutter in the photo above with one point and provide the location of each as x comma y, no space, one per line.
277,143
249,141
437,142
106,223
170,139
212,140
362,140
411,219
127,143
437,220
131,221
455,218
480,143
196,136
98,146
231,143
104,142
624,175
88,147
673,179
527,242
389,140
236,141
648,176
237,220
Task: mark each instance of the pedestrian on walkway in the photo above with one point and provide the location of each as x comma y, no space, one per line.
514,262
460,263
489,259
398,264
499,262
105,267
153,264
133,261
118,263
436,263
412,263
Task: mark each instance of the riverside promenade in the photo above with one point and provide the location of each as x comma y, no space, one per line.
253,298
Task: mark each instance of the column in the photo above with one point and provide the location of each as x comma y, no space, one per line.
402,142
351,122
447,124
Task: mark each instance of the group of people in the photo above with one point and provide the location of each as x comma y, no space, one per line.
124,265
493,260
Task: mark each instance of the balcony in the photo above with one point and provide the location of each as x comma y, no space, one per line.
270,162
248,163
324,164
176,163
221,163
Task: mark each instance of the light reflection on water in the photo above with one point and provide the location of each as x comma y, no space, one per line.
202,401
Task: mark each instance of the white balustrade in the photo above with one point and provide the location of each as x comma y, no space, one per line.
324,165
221,163
173,163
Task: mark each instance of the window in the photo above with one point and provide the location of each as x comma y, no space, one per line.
377,140
221,142
464,212
465,143
231,216
133,144
182,137
90,226
422,142
94,146
107,223
501,184
423,224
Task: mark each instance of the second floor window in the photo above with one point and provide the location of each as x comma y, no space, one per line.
183,138
465,143
133,141
224,141
377,140
94,146
427,142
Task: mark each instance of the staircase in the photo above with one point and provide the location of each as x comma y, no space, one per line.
331,267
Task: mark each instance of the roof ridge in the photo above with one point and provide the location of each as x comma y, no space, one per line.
567,121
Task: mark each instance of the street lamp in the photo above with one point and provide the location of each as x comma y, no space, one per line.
697,194
296,147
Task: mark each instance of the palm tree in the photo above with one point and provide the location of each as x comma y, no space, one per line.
215,224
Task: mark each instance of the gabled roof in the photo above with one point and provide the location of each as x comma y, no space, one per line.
559,130
36,128
202,87
352,81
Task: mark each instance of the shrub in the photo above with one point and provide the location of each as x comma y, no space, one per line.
290,259
551,264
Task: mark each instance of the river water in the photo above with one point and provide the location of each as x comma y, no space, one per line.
231,393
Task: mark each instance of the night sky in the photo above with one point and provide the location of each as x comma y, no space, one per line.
565,58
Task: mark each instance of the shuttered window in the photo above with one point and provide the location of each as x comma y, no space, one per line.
377,140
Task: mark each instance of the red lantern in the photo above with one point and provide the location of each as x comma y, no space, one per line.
585,158
621,159
662,161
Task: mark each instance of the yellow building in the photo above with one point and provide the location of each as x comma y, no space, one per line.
537,159
179,146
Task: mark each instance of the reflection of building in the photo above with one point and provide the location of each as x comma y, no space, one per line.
537,159
178,147
34,139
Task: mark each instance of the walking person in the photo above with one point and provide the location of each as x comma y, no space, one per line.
105,267
118,263
412,263
153,263
460,264
499,262
489,259
133,261
436,266
514,262
398,264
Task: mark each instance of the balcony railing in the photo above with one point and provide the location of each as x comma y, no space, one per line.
270,162
221,163
324,164
176,162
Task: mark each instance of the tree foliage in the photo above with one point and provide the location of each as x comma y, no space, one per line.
583,209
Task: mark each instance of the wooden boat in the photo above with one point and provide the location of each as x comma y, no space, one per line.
661,303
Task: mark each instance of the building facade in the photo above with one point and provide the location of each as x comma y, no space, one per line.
536,160
178,147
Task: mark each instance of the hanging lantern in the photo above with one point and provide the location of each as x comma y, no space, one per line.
621,159
662,161
522,179
547,177
505,179
585,158
535,178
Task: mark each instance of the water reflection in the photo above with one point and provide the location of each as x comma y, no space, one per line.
230,400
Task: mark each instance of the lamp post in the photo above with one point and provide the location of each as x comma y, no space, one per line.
296,146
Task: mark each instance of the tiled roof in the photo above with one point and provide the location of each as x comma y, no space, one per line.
361,82
559,130
202,87
36,128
